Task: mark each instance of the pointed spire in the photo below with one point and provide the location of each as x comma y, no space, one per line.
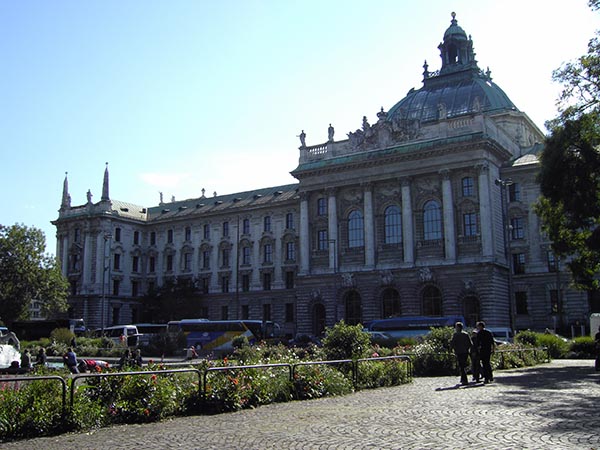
66,198
105,196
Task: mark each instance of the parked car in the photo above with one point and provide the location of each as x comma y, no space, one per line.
381,338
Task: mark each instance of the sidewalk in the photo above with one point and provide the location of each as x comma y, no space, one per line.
551,406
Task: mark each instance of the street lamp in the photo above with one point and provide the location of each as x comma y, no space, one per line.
105,267
504,184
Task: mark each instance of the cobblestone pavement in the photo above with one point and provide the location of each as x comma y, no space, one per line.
552,406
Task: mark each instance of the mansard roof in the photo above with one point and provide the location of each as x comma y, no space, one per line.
223,203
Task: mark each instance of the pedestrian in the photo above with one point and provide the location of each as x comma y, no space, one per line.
73,342
475,360
486,344
41,359
461,344
597,340
26,360
125,360
137,359
70,360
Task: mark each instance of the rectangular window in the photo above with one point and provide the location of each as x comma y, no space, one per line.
268,253
470,224
245,312
514,192
467,187
267,311
225,254
521,302
552,263
289,312
76,235
117,234
321,206
245,255
225,229
151,264
290,251
136,238
518,263
289,221
322,241
224,312
517,230
266,281
205,285
169,262
245,283
188,234
246,226
135,261
187,262
267,224
116,287
206,259
169,236
153,238
117,261
289,279
134,288
224,284
206,231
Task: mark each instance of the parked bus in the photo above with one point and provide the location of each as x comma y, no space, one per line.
216,336
149,331
31,330
411,327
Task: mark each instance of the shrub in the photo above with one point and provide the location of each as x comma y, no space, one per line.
374,374
557,346
346,342
62,335
433,356
582,347
527,337
315,381
240,341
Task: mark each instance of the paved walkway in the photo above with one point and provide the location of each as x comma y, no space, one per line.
552,406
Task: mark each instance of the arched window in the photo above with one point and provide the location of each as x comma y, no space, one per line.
432,221
432,301
353,308
393,225
391,303
355,229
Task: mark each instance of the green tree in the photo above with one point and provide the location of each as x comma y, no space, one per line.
570,168
27,273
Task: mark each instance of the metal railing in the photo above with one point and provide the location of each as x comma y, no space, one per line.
14,379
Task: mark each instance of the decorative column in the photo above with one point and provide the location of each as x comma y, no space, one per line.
408,237
304,237
485,211
369,226
332,223
448,210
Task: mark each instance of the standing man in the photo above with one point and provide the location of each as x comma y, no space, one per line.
485,340
461,344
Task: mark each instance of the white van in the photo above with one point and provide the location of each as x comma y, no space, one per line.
120,334
501,334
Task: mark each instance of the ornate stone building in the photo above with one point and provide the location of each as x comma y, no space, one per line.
428,211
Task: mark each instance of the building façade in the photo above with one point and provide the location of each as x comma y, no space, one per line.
429,210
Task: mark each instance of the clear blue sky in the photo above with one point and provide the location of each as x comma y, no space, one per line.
183,95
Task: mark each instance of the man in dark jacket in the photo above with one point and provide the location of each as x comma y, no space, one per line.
461,344
485,341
